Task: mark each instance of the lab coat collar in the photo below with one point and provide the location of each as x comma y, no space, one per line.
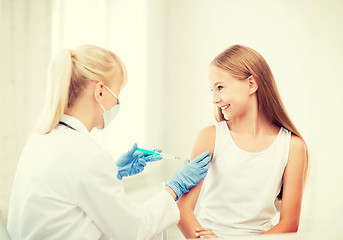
75,123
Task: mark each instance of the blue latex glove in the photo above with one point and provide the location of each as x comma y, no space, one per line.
132,163
190,174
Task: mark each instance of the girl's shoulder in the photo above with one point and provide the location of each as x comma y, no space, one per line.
297,158
297,146
297,143
205,140
208,133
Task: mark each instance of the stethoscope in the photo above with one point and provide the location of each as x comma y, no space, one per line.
67,125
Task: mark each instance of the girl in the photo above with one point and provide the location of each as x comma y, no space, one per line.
259,157
66,186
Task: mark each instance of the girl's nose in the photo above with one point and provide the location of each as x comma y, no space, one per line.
215,98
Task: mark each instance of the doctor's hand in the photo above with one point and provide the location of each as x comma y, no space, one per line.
190,174
132,163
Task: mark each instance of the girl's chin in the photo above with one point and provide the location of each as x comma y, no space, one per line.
226,117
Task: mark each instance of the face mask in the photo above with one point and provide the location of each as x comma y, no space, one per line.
110,114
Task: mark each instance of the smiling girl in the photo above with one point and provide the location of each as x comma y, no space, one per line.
256,179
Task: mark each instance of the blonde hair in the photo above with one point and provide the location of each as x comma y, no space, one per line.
69,74
241,62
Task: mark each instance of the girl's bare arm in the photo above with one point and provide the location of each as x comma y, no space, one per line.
188,222
293,183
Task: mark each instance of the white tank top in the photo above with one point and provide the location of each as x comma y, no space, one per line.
239,194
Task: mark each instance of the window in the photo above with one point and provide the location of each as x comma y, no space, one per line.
120,28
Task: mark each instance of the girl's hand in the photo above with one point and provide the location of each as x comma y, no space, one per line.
205,233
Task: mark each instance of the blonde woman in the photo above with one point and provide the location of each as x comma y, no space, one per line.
259,157
68,187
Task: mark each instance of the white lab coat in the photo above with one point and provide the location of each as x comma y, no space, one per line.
66,188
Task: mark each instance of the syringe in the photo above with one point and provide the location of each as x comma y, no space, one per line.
164,155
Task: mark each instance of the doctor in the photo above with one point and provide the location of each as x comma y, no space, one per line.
66,186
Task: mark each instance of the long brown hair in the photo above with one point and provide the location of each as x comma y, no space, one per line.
242,62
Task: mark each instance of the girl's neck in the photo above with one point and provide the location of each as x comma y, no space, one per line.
248,124
252,122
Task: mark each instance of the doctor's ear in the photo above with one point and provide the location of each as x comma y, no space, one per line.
253,84
99,92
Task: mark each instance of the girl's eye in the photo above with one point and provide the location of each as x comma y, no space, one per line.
218,88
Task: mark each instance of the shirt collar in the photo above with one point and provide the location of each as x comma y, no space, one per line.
75,123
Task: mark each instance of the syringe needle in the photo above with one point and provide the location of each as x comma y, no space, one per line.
164,155
169,156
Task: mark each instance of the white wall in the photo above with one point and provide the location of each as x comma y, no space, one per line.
121,27
25,53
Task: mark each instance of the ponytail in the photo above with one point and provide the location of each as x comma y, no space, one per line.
56,101
70,73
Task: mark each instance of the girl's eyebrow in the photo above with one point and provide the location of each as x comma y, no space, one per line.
217,83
